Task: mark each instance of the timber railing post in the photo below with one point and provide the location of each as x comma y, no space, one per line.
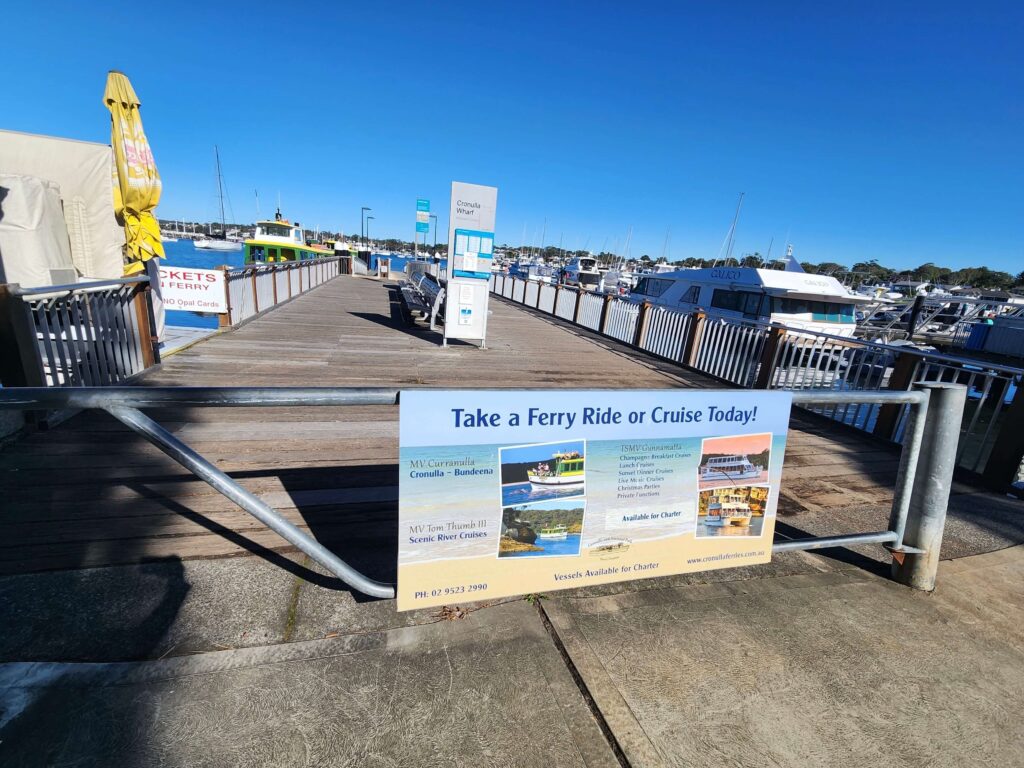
691,345
766,366
255,292
902,378
932,482
641,325
143,315
21,364
273,283
605,309
224,319
579,303
558,295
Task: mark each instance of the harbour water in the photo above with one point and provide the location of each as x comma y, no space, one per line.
523,493
568,546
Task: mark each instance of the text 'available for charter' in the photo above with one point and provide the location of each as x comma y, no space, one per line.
505,493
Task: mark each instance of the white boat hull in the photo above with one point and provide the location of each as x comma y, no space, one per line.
724,522
553,536
217,245
714,474
538,480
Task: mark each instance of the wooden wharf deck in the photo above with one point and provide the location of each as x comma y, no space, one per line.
90,492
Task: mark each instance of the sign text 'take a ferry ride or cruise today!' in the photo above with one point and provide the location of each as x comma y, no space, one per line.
505,493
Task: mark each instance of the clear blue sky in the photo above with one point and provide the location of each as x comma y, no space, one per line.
882,130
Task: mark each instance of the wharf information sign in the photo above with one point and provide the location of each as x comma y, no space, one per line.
513,492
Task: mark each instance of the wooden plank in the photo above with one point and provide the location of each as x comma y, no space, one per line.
92,493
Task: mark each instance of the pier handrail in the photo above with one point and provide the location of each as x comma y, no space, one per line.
85,285
252,289
914,534
753,353
93,333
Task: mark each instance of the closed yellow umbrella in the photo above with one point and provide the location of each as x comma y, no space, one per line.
137,187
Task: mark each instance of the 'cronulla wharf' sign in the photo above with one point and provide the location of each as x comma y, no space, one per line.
470,252
505,492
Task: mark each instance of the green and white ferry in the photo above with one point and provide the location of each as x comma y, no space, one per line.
280,240
562,469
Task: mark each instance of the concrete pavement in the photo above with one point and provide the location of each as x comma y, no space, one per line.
811,660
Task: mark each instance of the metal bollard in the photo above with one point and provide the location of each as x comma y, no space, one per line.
932,483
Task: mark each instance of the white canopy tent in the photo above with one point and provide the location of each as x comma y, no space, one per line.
80,173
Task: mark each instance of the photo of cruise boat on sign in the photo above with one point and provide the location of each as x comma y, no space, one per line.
544,529
542,471
731,511
731,459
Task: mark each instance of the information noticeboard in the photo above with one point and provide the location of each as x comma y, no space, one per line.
505,492
470,248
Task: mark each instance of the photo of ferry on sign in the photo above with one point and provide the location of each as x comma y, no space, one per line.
545,529
542,471
732,511
562,469
729,468
731,459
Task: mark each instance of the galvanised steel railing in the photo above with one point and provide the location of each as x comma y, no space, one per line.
750,353
93,333
917,516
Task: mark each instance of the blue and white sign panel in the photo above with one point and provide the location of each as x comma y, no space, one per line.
512,492
470,248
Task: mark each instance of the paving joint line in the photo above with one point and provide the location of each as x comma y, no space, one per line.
595,710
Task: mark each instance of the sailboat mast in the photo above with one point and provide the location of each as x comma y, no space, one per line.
220,192
732,229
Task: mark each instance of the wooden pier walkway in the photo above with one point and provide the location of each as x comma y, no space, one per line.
91,493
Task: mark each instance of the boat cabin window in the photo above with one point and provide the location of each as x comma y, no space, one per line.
747,302
275,230
691,296
827,311
587,263
652,286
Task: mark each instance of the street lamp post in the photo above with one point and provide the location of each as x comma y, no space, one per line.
435,233
362,222
368,231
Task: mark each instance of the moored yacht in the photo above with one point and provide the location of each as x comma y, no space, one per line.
582,271
796,299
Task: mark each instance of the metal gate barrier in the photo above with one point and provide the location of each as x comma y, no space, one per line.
916,520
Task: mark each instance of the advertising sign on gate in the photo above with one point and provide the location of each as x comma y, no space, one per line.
193,290
504,493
